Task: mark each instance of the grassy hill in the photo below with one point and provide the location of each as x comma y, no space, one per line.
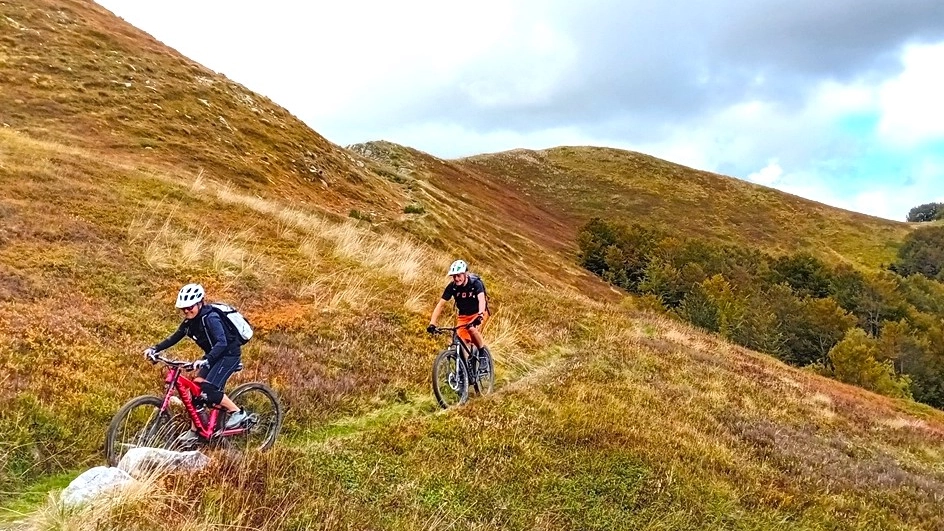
112,196
622,185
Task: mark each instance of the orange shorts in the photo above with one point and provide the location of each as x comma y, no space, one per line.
466,319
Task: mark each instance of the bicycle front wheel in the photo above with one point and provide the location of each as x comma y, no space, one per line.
140,423
450,379
265,416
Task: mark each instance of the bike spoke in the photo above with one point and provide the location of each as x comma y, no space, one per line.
264,420
140,423
485,374
450,379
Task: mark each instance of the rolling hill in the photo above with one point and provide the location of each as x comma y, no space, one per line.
127,170
579,183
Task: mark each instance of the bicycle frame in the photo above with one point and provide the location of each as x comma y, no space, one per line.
186,389
461,347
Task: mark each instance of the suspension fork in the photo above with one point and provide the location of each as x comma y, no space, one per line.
462,358
169,385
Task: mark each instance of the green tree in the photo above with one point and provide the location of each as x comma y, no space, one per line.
926,212
700,307
920,356
924,294
854,360
922,252
804,273
872,298
715,305
761,330
809,326
900,342
665,282
593,240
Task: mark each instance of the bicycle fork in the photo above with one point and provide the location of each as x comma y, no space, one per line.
456,376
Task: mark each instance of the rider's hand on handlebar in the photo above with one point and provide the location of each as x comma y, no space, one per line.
198,363
431,329
149,353
477,321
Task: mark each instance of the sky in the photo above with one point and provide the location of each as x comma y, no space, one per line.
839,101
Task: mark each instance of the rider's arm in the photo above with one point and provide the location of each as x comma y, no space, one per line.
214,328
173,339
437,310
482,304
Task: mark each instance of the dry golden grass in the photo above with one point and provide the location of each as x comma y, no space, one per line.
632,429
605,416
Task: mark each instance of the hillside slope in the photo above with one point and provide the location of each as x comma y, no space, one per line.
74,73
584,182
604,417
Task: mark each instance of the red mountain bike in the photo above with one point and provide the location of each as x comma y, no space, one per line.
155,422
460,366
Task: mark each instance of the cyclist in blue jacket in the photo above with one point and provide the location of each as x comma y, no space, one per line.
220,344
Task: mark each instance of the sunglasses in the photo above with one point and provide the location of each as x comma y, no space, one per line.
188,308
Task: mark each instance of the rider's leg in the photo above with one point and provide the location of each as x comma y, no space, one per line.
227,404
476,333
477,338
216,379
217,375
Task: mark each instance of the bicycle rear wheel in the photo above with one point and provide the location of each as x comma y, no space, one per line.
450,379
265,416
485,374
140,423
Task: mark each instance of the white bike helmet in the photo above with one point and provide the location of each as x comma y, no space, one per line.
190,295
459,266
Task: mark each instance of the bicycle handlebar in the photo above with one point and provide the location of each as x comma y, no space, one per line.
157,357
444,329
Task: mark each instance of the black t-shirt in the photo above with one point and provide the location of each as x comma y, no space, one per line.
466,295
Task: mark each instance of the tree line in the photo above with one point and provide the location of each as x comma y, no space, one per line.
882,330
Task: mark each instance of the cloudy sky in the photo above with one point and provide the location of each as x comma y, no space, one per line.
841,101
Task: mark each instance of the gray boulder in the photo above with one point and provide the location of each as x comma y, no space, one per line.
94,483
142,462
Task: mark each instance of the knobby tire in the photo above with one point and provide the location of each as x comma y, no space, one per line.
266,415
148,428
450,380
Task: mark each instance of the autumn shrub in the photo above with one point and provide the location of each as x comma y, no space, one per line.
854,360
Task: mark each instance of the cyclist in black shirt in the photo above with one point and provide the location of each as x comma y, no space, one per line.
468,290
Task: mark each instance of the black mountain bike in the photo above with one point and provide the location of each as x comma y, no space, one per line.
459,367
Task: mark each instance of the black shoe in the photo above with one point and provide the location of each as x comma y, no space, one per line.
483,368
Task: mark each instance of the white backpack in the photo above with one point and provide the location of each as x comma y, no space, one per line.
239,323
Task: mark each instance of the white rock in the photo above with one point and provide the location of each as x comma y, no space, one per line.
93,483
142,461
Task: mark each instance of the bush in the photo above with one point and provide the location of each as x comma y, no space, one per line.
414,208
854,361
357,214
805,274
923,253
926,212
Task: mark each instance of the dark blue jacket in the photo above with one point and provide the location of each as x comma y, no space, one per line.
210,334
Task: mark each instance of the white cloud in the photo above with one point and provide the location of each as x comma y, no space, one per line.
768,175
912,105
524,69
745,98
